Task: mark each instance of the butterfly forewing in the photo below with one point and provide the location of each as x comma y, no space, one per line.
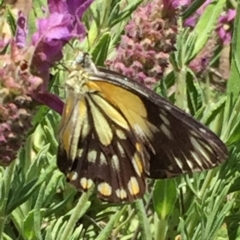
114,133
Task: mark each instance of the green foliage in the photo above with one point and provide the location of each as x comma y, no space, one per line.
206,25
37,203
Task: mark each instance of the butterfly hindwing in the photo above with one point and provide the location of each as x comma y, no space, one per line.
109,155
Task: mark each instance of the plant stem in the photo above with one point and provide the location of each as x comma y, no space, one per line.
160,228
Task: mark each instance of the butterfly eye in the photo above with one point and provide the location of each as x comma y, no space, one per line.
81,59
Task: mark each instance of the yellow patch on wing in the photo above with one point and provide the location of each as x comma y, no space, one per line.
105,189
72,176
117,94
86,183
130,105
101,125
121,193
65,132
111,112
133,186
74,119
137,164
92,85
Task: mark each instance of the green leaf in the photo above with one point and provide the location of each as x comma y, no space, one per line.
233,84
80,209
195,5
192,94
28,226
100,52
164,197
11,21
206,25
37,212
106,232
116,18
213,110
144,223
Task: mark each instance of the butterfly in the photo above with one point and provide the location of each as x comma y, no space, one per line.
114,133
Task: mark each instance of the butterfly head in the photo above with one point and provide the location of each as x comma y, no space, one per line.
82,68
84,61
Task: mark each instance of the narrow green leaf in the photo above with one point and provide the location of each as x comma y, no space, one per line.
192,94
193,8
51,137
132,5
81,208
11,21
58,228
106,232
143,220
37,212
213,110
233,85
206,25
99,54
28,226
28,189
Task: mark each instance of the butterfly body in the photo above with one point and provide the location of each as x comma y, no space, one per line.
114,133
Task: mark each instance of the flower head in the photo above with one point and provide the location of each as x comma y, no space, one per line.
223,29
24,73
143,53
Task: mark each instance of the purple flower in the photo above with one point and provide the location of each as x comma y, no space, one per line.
56,30
21,31
143,53
15,114
191,21
62,25
223,29
25,73
53,33
170,7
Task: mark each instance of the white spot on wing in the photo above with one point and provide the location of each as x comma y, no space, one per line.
189,163
202,130
103,160
133,186
170,167
166,131
121,150
115,162
72,176
134,163
86,183
199,148
80,152
121,193
193,133
104,188
197,160
168,107
139,131
163,112
91,156
164,119
179,163
121,134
